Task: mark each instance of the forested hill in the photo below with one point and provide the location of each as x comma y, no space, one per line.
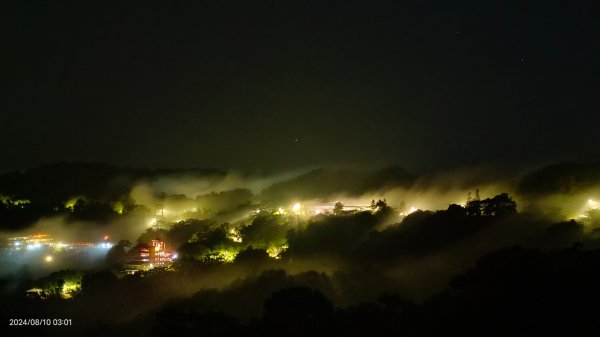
60,181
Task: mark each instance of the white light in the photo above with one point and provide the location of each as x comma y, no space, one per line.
48,258
174,256
296,208
105,245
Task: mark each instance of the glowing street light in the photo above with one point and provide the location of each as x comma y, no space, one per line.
591,203
296,208
48,258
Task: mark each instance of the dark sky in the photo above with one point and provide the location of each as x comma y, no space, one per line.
285,84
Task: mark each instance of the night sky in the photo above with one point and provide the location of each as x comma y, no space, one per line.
272,85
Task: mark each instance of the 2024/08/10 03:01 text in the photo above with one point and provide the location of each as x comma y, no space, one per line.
39,321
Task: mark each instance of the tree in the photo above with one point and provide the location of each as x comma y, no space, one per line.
592,217
117,254
193,250
92,210
473,205
380,206
338,208
251,255
500,205
298,311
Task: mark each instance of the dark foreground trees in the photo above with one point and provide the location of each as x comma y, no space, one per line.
511,292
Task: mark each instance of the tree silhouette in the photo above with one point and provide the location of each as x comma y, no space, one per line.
338,208
298,311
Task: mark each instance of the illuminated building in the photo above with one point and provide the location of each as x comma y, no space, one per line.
154,254
133,267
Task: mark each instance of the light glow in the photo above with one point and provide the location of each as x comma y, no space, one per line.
297,207
276,251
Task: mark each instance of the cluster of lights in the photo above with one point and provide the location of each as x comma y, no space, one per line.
296,209
300,209
33,246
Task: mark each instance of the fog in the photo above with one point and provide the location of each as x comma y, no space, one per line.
237,234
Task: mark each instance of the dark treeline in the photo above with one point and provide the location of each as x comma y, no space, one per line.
514,291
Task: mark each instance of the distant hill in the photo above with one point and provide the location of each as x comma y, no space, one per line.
564,177
321,183
98,181
94,180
